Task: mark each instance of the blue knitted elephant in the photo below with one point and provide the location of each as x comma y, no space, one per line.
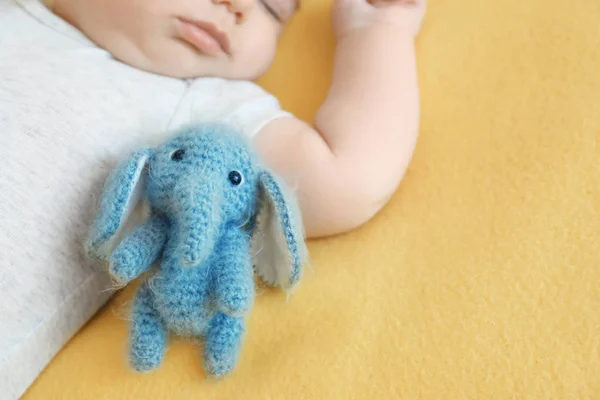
213,206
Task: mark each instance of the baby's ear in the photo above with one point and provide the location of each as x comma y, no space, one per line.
278,240
122,191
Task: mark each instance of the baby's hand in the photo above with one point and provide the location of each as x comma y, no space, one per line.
353,15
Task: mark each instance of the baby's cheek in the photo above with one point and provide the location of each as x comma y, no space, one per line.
256,56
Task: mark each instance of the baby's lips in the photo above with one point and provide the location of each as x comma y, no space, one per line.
200,39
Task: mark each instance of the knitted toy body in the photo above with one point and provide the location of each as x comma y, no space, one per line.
208,300
213,206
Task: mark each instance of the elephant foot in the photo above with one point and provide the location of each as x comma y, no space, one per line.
148,334
223,344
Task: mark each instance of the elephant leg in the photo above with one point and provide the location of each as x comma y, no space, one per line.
148,333
223,344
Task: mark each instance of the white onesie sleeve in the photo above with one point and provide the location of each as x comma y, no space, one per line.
243,104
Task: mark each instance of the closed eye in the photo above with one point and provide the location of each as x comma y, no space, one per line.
270,10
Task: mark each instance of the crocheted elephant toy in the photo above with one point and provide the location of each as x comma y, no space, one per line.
216,215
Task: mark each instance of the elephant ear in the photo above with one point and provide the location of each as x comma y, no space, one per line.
278,240
122,192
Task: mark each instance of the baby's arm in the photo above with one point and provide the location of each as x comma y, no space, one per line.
347,168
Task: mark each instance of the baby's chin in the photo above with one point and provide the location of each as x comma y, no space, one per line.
181,61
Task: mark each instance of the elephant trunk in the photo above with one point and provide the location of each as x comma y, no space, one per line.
199,208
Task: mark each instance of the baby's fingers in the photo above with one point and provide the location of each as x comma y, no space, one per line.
352,15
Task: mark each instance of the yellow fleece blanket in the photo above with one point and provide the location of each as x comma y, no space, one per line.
481,278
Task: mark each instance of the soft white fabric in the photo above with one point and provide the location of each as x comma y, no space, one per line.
68,113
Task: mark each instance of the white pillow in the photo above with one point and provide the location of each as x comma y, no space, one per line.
39,312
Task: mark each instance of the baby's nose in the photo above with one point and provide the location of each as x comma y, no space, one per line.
241,8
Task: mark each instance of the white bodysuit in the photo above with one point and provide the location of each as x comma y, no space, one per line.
68,113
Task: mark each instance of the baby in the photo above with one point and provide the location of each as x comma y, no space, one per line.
345,168
83,83
105,75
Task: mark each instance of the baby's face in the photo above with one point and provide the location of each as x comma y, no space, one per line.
185,38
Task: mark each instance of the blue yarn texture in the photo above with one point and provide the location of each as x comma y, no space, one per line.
210,201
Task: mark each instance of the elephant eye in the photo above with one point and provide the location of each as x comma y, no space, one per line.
177,155
235,178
